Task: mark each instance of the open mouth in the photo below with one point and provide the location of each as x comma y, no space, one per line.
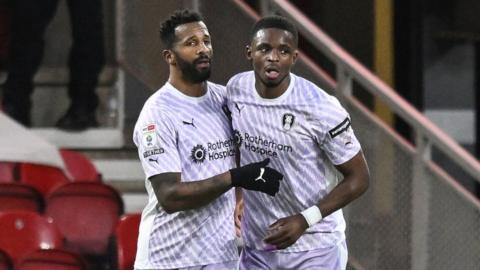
272,73
202,63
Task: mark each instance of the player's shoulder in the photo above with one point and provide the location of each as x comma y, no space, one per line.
160,100
309,89
157,106
217,90
241,76
155,111
240,79
317,96
238,85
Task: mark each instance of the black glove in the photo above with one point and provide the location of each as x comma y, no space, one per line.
257,176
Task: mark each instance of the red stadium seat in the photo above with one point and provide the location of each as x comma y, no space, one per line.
7,171
126,235
6,262
86,213
17,196
43,178
52,259
23,232
80,167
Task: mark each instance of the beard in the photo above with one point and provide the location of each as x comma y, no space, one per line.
190,72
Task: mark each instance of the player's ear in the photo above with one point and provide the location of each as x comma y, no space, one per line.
295,56
248,52
168,56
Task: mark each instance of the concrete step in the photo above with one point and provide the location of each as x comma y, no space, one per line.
50,102
126,175
123,170
92,138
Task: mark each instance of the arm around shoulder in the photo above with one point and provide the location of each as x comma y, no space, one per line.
174,195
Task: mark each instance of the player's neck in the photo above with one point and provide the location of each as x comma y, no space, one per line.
188,88
272,91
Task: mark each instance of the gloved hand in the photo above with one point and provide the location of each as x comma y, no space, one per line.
257,176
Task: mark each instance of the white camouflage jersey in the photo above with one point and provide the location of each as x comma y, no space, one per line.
304,132
192,136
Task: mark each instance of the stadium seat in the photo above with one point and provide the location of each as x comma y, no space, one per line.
43,178
17,196
125,241
5,261
7,171
79,166
23,232
86,213
52,259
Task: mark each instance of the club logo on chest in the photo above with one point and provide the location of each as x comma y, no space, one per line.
288,120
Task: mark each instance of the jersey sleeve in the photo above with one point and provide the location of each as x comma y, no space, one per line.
155,137
332,127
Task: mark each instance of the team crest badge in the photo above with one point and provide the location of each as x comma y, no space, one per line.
288,120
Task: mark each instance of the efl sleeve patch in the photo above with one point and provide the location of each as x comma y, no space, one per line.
342,127
149,136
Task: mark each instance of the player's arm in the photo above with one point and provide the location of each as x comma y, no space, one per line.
175,195
286,231
238,213
355,183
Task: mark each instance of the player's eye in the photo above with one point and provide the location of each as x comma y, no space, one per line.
191,43
263,49
285,51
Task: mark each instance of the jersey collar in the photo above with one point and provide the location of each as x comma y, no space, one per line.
171,89
277,99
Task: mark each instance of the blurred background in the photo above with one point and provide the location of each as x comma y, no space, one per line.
407,71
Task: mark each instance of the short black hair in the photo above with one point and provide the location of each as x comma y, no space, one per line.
274,21
179,17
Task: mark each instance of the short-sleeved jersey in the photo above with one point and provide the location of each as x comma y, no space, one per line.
304,132
192,136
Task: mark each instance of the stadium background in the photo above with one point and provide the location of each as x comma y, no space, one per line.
422,210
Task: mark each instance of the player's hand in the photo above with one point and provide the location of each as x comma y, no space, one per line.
286,231
238,217
257,176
